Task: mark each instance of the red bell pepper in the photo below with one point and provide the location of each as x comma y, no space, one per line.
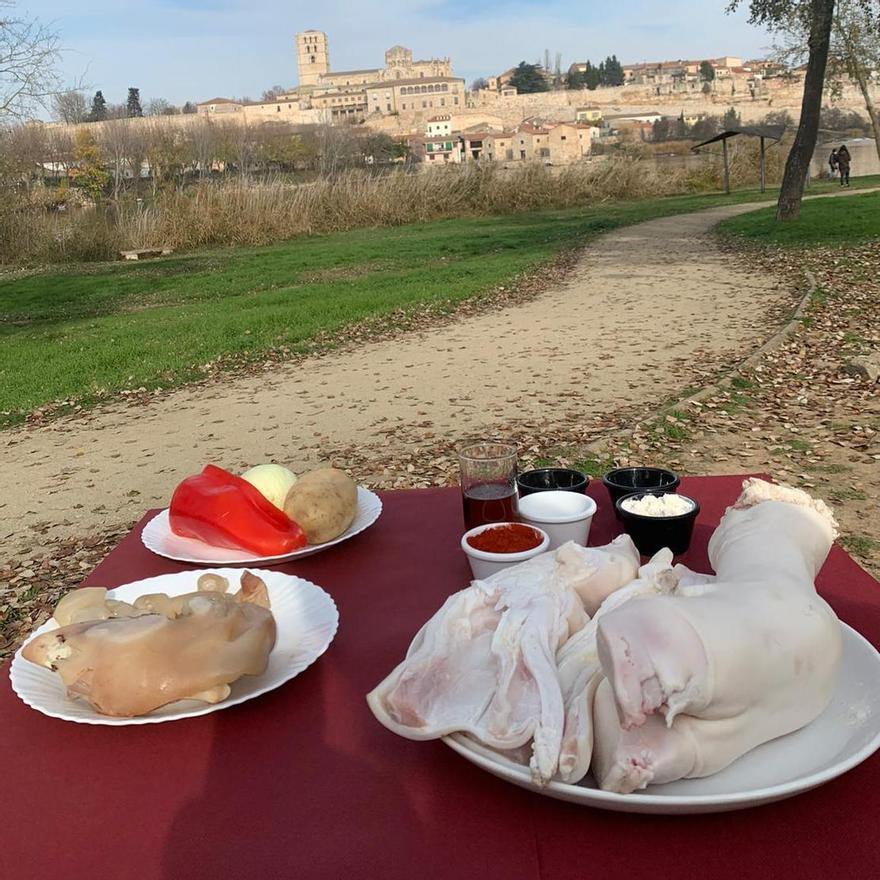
224,510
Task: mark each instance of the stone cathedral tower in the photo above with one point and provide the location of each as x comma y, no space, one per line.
312,57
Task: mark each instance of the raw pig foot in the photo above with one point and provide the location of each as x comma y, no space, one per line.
652,662
628,760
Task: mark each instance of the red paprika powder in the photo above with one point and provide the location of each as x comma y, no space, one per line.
507,538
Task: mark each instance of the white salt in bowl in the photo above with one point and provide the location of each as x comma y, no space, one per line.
564,516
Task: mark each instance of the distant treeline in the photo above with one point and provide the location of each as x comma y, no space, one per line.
608,73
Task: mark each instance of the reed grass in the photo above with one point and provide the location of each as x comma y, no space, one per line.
241,212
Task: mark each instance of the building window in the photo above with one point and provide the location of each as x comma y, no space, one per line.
278,109
424,103
443,102
403,106
455,100
562,137
388,106
313,59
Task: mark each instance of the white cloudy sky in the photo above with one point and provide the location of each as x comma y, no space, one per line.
196,49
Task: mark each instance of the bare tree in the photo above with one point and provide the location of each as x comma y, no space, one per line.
273,93
165,151
24,152
204,144
160,107
59,149
241,141
29,54
117,111
70,106
856,50
853,55
123,145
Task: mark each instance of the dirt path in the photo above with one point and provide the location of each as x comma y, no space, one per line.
650,309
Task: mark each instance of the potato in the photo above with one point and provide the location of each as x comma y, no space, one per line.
323,503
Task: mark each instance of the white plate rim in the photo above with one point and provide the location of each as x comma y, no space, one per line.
505,769
157,529
202,709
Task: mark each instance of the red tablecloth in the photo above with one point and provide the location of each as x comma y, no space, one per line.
304,783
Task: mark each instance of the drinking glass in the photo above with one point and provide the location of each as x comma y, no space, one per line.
488,482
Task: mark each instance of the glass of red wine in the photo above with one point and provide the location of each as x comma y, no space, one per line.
488,482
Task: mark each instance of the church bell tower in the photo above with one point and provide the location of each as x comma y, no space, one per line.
312,57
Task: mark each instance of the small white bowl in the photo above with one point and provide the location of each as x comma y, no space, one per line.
484,564
564,516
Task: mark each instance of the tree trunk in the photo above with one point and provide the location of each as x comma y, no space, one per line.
856,69
873,112
798,163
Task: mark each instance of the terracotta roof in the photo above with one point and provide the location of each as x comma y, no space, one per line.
218,101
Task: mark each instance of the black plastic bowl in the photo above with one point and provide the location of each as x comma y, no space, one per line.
650,480
548,479
652,533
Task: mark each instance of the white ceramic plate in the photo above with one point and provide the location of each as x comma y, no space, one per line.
306,621
158,537
844,735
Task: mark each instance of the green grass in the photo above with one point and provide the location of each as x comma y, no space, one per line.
843,221
860,545
84,333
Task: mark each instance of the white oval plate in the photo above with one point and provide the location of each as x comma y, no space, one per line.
305,616
158,537
844,735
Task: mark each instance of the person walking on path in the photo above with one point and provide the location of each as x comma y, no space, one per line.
843,163
832,162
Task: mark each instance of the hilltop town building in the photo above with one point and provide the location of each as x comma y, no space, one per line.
325,95
534,140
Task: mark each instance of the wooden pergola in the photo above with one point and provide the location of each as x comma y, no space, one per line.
764,132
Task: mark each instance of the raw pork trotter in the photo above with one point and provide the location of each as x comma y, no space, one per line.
696,679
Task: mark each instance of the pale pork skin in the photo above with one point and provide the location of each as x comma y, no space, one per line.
187,647
696,679
485,663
